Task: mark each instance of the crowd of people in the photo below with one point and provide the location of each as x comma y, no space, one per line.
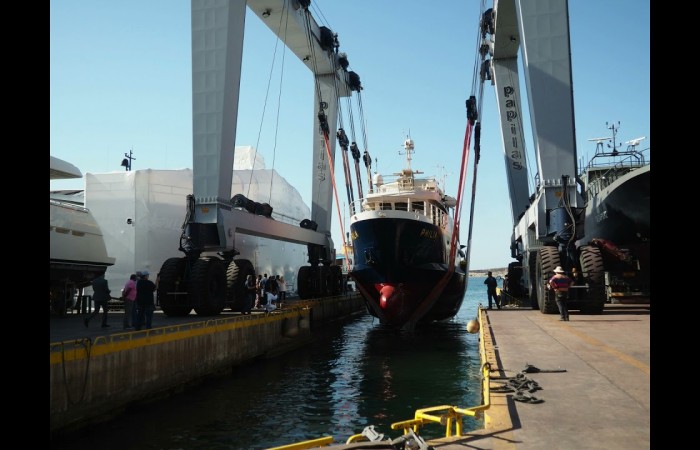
270,292
267,293
137,295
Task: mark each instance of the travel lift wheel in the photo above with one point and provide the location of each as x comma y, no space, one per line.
594,273
547,261
207,286
236,290
172,282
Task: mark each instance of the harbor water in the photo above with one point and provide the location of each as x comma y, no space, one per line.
354,374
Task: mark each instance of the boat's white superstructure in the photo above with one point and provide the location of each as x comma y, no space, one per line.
77,251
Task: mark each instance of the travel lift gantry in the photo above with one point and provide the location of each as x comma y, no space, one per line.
208,278
548,223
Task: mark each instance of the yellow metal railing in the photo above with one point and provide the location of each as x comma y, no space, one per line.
447,415
313,443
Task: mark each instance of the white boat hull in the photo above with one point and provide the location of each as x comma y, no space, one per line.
77,249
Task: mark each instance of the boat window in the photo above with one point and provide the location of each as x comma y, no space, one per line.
401,206
417,206
385,206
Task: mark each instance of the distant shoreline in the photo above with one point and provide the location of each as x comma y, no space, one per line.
483,273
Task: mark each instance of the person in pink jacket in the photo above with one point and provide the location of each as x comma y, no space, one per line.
129,297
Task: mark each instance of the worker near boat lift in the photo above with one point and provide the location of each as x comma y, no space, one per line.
491,285
561,283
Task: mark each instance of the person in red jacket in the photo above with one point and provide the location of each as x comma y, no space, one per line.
561,283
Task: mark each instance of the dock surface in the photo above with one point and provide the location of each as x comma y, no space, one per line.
601,401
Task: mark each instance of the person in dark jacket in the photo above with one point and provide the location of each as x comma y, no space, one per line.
145,301
251,289
491,285
100,296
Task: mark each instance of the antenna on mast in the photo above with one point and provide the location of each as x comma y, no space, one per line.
126,162
614,145
409,148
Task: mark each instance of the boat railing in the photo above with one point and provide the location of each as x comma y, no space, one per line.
68,205
434,214
610,173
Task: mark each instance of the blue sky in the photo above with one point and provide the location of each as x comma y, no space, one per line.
120,79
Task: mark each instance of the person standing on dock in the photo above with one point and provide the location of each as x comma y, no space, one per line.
258,291
145,301
491,286
129,297
263,290
251,290
282,288
100,296
561,283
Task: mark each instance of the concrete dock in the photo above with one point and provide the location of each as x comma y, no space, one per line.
95,372
601,401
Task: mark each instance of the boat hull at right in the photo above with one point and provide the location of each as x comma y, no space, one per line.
620,211
618,221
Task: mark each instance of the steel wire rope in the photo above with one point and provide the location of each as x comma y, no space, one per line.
442,282
267,93
471,215
88,353
320,13
479,42
346,169
354,141
362,121
478,93
285,13
346,163
335,193
366,157
312,51
321,113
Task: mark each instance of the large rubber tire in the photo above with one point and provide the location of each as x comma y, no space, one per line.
532,267
547,260
593,271
207,286
236,274
172,276
304,283
323,279
335,280
515,273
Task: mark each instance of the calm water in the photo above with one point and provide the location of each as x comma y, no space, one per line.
355,374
